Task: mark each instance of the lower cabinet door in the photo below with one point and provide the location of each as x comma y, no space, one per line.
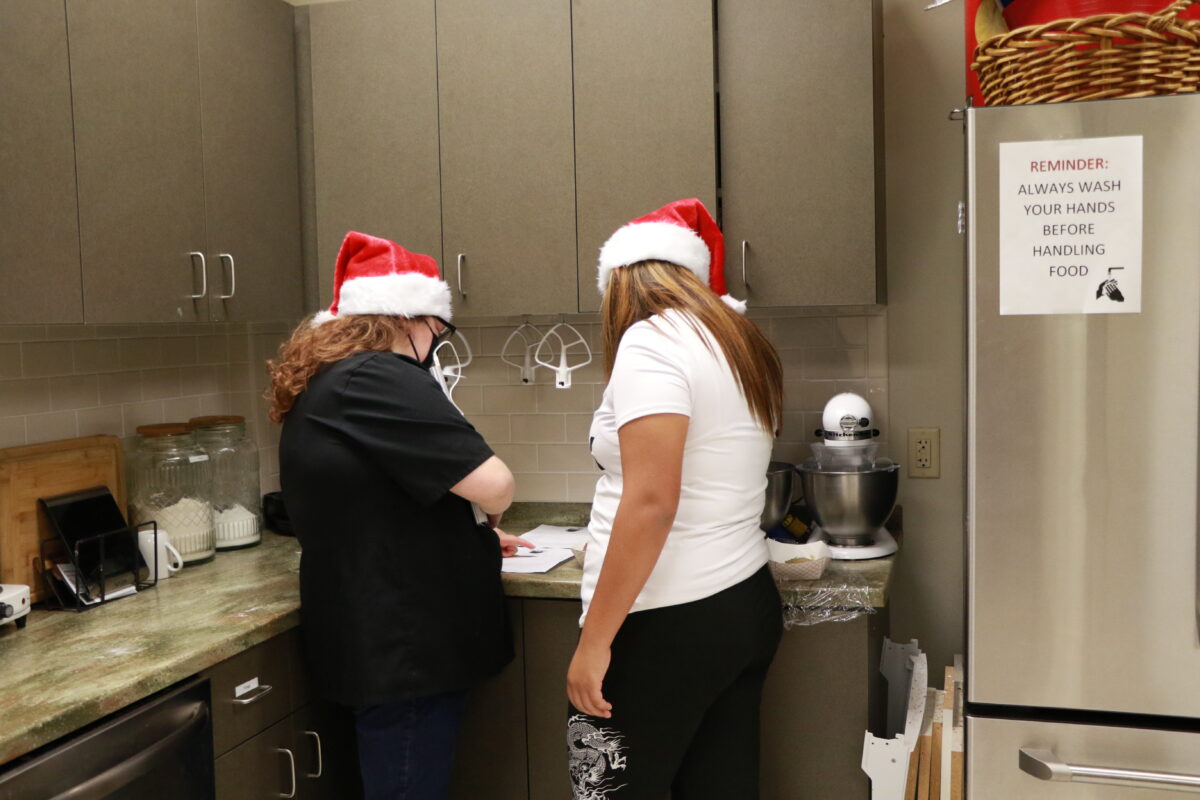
491,759
326,756
262,767
551,633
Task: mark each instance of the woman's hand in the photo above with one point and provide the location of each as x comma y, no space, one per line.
509,544
584,677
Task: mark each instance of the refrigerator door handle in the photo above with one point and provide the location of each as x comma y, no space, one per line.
1045,765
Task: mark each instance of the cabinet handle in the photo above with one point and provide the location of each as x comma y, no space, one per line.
461,289
1046,766
203,275
262,692
232,276
320,761
292,767
745,281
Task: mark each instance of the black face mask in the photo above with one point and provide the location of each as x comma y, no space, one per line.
427,361
436,339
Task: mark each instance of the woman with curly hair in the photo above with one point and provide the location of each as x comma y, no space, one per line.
395,499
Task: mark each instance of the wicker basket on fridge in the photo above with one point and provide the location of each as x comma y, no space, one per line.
1096,57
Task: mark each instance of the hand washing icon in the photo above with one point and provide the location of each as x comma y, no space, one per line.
1109,288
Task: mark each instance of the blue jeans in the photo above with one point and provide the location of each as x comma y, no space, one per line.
406,748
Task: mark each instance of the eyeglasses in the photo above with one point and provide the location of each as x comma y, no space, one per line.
444,335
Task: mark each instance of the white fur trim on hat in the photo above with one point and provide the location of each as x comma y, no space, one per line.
321,317
409,294
659,241
737,305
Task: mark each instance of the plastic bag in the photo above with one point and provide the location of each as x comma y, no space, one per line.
807,604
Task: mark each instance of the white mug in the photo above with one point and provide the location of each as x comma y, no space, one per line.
169,559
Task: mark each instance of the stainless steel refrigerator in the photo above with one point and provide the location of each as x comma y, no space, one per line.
1083,656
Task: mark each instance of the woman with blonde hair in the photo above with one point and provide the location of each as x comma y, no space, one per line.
386,484
680,615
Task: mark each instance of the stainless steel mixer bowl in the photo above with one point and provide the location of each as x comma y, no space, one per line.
779,493
850,506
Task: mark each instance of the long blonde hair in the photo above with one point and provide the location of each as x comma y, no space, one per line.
311,346
641,290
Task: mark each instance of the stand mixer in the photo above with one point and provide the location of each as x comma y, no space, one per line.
849,491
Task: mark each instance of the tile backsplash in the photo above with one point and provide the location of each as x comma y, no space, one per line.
59,381
541,432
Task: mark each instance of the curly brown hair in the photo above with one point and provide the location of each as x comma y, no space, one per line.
311,346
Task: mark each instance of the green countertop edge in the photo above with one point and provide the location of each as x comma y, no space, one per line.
66,670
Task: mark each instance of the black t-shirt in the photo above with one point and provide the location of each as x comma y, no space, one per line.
400,589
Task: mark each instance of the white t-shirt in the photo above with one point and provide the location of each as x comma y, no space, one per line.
664,367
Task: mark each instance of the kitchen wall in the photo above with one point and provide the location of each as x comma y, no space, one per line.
923,81
59,381
541,431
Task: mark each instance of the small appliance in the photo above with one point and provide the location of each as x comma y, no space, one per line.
14,604
779,493
850,491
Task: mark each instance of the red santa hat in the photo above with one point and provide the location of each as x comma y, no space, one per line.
681,233
377,276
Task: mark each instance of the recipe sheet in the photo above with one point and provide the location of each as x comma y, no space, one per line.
541,559
573,537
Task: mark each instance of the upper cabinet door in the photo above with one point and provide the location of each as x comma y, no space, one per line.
799,151
644,116
375,126
137,138
251,169
39,232
508,178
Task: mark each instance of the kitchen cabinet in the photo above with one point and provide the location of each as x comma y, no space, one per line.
274,738
252,690
552,631
135,90
491,759
508,180
644,116
513,142
823,691
39,233
261,767
251,166
326,756
801,133
463,148
375,126
185,143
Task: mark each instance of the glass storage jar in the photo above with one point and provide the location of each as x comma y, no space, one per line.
170,479
237,507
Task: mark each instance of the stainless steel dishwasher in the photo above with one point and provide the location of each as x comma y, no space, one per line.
159,748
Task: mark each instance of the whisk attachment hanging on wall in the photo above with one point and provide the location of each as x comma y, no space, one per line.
565,342
530,336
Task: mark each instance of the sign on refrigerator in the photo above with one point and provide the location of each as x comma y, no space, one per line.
1071,226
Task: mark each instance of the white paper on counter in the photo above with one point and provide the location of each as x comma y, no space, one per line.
573,537
66,571
528,561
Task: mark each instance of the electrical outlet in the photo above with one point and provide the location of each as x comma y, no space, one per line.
924,453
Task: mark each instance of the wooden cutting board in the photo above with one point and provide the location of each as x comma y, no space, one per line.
46,470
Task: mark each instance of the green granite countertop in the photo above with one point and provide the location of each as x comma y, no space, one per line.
67,669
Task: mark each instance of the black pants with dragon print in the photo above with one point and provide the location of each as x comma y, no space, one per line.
685,683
